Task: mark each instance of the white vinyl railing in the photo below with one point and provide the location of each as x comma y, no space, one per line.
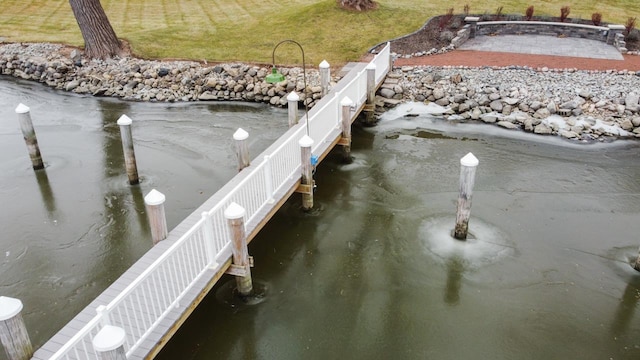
204,248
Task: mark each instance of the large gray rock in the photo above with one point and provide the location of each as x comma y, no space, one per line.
72,85
535,105
572,104
542,129
475,114
631,101
489,118
626,124
496,105
541,113
438,93
443,101
387,93
507,125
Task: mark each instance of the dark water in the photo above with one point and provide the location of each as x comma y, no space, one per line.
69,231
372,272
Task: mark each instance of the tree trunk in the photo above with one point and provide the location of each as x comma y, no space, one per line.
358,5
100,41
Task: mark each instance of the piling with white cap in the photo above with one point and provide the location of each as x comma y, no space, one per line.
29,134
13,332
241,266
468,165
154,203
109,343
307,173
127,147
325,75
369,109
346,104
242,148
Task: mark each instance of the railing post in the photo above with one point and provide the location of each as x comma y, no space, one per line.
468,163
234,215
390,58
242,148
127,146
346,105
13,332
371,93
29,134
325,76
109,343
292,106
268,181
307,173
154,203
208,239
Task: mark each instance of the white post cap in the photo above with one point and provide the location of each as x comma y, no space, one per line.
234,211
324,64
154,197
9,307
22,109
346,101
240,134
293,96
124,120
371,66
469,160
306,141
109,338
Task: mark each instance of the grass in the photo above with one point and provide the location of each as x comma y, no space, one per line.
247,30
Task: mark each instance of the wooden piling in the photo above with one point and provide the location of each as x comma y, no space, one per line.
370,105
241,266
346,105
292,106
468,165
13,332
242,148
29,134
307,173
127,146
325,76
109,343
154,203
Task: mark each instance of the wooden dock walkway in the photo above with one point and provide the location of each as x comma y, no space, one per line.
152,299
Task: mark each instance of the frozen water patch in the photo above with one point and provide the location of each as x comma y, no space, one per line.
359,162
412,109
485,245
556,120
411,116
610,129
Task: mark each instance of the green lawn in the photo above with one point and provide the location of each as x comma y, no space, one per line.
247,30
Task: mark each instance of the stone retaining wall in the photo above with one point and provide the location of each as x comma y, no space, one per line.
543,28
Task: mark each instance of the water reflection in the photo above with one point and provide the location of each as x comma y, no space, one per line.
110,112
48,197
455,270
627,307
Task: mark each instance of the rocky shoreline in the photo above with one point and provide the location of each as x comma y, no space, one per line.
582,105
575,104
152,80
